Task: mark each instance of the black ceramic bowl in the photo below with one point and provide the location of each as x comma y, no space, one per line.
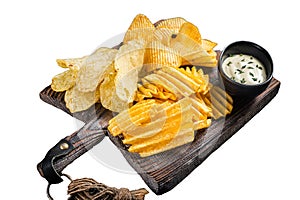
249,48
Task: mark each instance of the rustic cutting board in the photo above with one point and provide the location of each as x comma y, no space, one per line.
164,171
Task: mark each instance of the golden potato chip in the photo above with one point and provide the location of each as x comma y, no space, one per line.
159,80
173,24
208,45
108,97
64,80
191,31
158,55
152,91
71,63
163,35
166,29
198,77
128,63
201,124
137,115
201,58
162,118
94,69
177,130
221,102
141,28
78,101
184,89
181,77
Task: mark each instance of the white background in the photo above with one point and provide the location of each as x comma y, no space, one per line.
261,161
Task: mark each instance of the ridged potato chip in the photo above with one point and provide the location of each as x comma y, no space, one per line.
158,55
166,29
173,24
94,69
141,28
171,125
64,80
78,101
152,91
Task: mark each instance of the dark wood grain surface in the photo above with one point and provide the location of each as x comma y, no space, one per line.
162,172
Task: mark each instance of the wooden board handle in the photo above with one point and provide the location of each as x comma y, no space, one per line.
72,147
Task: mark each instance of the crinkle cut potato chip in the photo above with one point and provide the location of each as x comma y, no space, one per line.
64,81
166,29
160,133
94,69
128,63
173,24
141,28
78,101
158,55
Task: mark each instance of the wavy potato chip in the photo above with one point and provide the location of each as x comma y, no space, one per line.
141,28
78,101
173,24
94,69
64,80
158,55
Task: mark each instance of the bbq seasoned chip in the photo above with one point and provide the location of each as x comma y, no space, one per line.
158,55
141,28
128,63
78,101
64,80
94,69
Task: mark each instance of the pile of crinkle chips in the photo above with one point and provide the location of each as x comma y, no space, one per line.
151,81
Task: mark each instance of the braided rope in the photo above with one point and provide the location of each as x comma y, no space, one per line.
89,189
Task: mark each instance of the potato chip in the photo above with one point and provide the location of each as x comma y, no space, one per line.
141,28
128,63
78,101
208,45
166,29
71,63
137,115
221,102
108,97
173,24
94,69
152,91
64,80
178,124
159,80
191,31
158,55
181,77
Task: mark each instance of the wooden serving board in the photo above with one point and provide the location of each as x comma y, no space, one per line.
162,172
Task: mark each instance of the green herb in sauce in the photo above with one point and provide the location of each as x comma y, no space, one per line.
244,69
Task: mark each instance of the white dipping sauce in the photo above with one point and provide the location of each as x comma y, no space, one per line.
244,69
